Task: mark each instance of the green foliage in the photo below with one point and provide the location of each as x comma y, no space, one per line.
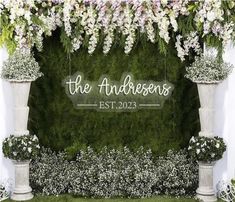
233,181
6,38
65,40
60,126
69,198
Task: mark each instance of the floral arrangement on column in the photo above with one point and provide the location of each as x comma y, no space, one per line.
207,71
92,22
206,150
21,150
20,70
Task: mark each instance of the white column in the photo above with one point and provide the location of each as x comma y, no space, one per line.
6,121
225,121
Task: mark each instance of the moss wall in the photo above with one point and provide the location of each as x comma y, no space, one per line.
60,126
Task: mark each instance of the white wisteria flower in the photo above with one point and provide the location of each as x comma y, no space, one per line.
88,22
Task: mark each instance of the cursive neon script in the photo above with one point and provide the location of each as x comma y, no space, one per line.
77,87
126,86
129,87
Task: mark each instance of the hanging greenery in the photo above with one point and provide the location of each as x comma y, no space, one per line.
91,22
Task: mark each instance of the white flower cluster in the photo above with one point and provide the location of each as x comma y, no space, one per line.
21,66
20,148
114,173
208,69
206,149
49,173
190,43
89,21
211,17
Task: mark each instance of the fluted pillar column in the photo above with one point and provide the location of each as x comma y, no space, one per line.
206,92
22,191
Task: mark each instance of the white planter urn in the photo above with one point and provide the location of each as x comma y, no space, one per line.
206,112
206,93
21,110
22,191
205,191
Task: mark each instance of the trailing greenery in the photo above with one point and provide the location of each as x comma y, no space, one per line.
59,126
114,173
21,66
208,69
21,148
206,149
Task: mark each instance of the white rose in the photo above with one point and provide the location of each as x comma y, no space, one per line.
164,2
210,16
29,149
217,145
212,155
35,138
198,151
193,139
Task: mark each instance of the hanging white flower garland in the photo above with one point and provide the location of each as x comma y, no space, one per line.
25,23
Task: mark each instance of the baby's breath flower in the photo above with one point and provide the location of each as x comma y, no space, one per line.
21,66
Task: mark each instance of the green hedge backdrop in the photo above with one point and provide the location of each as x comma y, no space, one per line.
60,126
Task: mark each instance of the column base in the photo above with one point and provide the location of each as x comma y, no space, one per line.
208,198
21,196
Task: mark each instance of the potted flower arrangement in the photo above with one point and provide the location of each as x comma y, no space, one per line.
207,71
206,150
20,70
21,150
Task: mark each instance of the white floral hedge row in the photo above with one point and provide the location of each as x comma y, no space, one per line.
114,173
108,22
